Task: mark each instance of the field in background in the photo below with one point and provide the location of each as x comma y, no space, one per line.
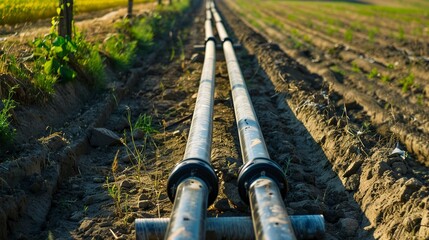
18,11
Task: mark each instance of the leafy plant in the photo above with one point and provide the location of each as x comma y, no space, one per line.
121,50
348,35
355,68
373,74
7,133
54,52
407,82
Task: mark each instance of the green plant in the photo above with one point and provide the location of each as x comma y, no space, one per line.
338,70
114,189
355,68
54,52
348,35
92,63
401,34
120,50
420,99
407,82
7,133
386,78
373,74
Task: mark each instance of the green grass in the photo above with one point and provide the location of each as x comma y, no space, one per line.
18,11
407,82
7,132
373,74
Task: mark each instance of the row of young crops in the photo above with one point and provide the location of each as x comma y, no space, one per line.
18,11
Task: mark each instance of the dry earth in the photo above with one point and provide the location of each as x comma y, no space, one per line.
336,164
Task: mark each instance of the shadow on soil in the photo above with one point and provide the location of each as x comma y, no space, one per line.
314,187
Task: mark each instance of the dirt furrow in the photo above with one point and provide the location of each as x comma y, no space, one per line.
413,140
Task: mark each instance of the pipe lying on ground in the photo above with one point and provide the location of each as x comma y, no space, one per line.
193,184
237,228
259,174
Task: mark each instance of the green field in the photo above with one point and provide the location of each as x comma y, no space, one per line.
18,11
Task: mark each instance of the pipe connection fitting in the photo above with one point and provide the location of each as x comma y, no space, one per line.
256,168
193,167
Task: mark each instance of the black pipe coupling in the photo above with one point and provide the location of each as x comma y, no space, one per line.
256,168
193,167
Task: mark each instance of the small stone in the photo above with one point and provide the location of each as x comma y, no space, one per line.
103,137
353,168
144,196
146,205
352,183
85,225
348,226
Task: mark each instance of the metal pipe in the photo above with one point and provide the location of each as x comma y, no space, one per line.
259,170
270,219
238,228
193,184
189,211
254,152
196,160
209,30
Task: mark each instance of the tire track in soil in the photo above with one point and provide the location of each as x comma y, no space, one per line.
392,193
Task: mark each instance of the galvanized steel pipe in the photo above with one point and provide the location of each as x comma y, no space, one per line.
237,228
193,184
258,169
189,211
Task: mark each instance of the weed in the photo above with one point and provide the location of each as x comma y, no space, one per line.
114,189
355,68
391,66
420,99
338,70
348,35
372,32
120,50
7,133
407,82
373,74
386,78
401,34
89,58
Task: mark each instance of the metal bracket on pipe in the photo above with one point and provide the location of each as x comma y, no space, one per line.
238,228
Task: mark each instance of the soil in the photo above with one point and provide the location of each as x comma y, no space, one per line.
60,186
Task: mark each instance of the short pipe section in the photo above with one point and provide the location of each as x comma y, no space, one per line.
270,219
189,211
238,228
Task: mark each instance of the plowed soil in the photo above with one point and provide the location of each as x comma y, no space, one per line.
331,137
